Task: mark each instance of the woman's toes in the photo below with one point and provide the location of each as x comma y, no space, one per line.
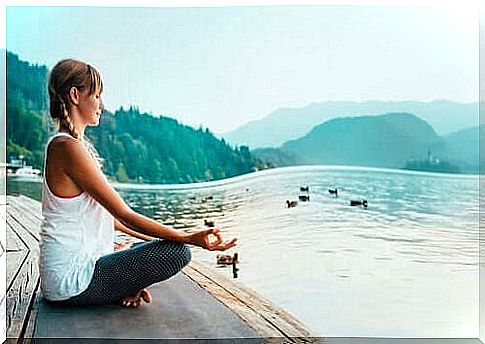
136,300
146,296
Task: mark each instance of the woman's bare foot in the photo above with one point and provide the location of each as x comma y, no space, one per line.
135,300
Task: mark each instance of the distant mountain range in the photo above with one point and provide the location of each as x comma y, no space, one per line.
288,124
464,147
137,146
389,140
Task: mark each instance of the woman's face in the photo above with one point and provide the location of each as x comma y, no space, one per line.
90,107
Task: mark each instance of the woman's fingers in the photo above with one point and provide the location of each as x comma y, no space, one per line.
218,238
230,244
223,245
202,239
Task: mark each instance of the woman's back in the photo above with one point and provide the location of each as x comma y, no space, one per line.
55,165
75,231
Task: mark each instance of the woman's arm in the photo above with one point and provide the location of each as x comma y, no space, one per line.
122,228
82,170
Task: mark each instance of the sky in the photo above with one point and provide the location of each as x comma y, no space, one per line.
221,67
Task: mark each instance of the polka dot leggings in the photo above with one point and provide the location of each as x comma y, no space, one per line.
123,273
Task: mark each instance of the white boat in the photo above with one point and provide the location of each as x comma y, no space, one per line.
27,173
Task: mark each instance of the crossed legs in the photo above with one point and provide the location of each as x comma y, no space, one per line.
122,276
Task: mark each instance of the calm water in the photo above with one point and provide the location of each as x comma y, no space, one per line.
405,266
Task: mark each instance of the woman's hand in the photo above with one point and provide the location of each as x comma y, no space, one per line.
202,239
122,246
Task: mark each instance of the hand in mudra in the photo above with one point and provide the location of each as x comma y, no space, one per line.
211,240
122,246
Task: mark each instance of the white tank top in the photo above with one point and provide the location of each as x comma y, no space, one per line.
75,232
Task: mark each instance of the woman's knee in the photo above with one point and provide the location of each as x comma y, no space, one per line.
185,255
178,252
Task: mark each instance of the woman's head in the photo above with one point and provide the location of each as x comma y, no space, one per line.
75,95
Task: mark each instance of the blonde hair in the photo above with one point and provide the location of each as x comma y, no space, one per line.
66,74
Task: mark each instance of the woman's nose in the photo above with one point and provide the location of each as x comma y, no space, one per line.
101,103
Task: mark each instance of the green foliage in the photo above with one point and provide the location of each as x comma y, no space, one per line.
164,151
26,110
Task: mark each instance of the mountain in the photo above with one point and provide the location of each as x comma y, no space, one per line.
380,141
463,147
291,123
275,157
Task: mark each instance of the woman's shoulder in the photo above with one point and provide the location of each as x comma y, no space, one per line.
63,142
65,148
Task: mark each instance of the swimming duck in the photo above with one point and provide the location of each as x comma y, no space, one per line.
304,198
356,203
208,223
291,204
226,259
333,192
304,188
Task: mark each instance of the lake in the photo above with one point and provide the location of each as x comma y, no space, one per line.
405,266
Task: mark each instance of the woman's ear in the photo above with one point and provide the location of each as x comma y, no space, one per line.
74,95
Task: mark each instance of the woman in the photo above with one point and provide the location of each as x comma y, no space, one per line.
78,265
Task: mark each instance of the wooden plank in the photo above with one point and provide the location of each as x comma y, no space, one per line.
35,203
21,294
19,299
250,317
15,260
13,241
274,313
30,204
24,205
22,215
30,328
22,309
263,315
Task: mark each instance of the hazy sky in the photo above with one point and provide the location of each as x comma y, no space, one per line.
222,67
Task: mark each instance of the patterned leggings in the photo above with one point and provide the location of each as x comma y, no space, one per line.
123,273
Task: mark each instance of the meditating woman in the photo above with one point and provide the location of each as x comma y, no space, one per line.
78,262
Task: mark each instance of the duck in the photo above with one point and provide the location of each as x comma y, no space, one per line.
208,223
226,259
207,198
356,203
333,191
304,188
291,204
304,198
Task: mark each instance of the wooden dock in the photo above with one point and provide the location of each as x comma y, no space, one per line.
197,304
